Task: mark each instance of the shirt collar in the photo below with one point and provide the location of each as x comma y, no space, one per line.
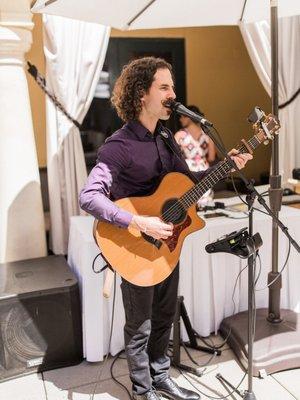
141,131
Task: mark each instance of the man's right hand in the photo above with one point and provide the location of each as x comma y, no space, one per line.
152,226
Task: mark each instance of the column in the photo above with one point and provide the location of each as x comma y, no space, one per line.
22,232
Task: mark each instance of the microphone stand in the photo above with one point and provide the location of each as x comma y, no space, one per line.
249,394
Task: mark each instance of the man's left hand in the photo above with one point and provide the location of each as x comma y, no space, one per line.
239,158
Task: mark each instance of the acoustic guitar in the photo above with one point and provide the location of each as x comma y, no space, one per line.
145,261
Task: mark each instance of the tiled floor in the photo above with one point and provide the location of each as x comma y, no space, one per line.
81,381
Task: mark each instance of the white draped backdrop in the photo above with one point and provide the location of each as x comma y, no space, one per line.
257,39
75,52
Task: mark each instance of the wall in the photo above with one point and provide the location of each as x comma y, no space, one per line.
220,79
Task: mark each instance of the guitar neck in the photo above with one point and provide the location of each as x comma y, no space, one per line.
220,172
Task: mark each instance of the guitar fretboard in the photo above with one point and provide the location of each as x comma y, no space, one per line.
219,173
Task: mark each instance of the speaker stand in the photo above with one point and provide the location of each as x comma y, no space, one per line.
192,343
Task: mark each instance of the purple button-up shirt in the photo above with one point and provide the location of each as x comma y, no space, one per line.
131,162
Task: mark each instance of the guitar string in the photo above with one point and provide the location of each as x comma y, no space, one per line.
196,190
191,196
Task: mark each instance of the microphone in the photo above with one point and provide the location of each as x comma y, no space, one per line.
182,110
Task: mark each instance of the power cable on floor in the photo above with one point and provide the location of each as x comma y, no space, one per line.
114,378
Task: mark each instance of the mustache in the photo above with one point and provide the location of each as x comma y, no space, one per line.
169,103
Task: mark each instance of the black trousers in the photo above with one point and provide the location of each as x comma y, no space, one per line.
149,313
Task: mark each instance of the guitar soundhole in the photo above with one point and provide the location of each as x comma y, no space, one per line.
173,211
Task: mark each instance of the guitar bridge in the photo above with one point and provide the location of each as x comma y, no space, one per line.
157,243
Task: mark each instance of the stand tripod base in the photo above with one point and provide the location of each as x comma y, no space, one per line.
244,394
276,345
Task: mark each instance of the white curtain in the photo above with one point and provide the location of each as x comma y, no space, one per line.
257,40
75,52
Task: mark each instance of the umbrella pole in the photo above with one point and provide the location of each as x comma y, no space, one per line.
275,190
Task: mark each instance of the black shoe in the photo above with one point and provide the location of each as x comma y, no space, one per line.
169,389
151,395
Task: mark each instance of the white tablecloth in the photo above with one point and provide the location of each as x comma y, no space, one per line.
206,280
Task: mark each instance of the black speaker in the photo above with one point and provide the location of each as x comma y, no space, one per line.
40,316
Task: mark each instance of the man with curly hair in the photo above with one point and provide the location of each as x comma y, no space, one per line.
132,162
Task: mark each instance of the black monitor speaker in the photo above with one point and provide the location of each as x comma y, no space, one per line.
40,316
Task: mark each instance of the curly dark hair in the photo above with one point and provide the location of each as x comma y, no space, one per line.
135,80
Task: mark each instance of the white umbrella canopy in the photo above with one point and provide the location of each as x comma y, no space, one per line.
151,14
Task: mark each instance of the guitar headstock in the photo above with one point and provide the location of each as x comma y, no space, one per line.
265,126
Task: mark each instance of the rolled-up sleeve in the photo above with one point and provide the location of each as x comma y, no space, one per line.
94,197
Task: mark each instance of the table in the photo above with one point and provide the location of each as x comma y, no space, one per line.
206,280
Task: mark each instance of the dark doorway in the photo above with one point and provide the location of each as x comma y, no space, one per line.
101,120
